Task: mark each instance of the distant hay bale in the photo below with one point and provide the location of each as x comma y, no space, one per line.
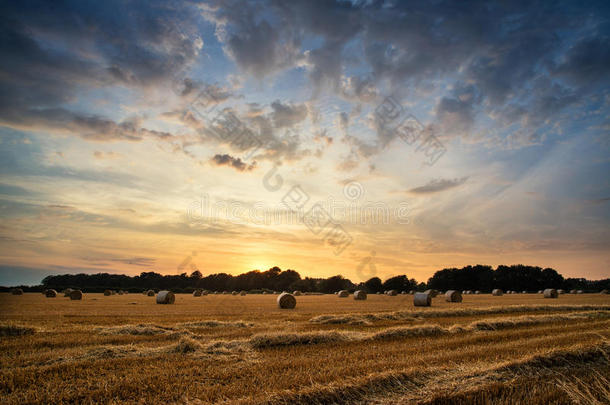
296,293
378,293
107,293
150,293
412,292
76,295
264,292
550,293
17,291
165,297
403,293
112,292
286,301
580,292
572,291
561,291
343,294
205,292
120,292
392,293
360,295
453,296
67,292
242,293
523,292
197,293
422,299
226,293
603,292
477,292
234,293
464,292
497,292
433,293
50,293
540,292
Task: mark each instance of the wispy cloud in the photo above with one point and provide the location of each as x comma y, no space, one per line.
438,185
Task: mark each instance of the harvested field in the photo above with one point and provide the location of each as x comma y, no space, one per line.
244,349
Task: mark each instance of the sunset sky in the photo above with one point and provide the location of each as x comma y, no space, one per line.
168,136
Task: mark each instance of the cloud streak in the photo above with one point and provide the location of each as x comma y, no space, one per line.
437,186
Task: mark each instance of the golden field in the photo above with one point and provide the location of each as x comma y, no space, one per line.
243,349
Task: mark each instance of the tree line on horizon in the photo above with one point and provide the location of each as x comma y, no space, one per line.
480,277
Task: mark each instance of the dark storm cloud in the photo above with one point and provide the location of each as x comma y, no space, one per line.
522,62
287,115
499,49
256,45
50,50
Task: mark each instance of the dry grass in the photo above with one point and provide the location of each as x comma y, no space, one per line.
243,350
16,330
594,389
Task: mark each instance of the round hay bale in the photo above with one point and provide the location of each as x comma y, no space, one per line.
264,292
477,292
392,293
523,292
540,292
603,292
67,292
205,292
17,291
572,291
120,292
50,293
226,293
165,297
286,301
497,292
296,293
412,292
403,293
550,293
107,293
197,293
150,293
580,292
422,299
242,293
76,295
360,295
112,292
433,293
343,294
234,293
453,296
378,293
561,291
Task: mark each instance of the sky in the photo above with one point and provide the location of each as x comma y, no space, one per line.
363,138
